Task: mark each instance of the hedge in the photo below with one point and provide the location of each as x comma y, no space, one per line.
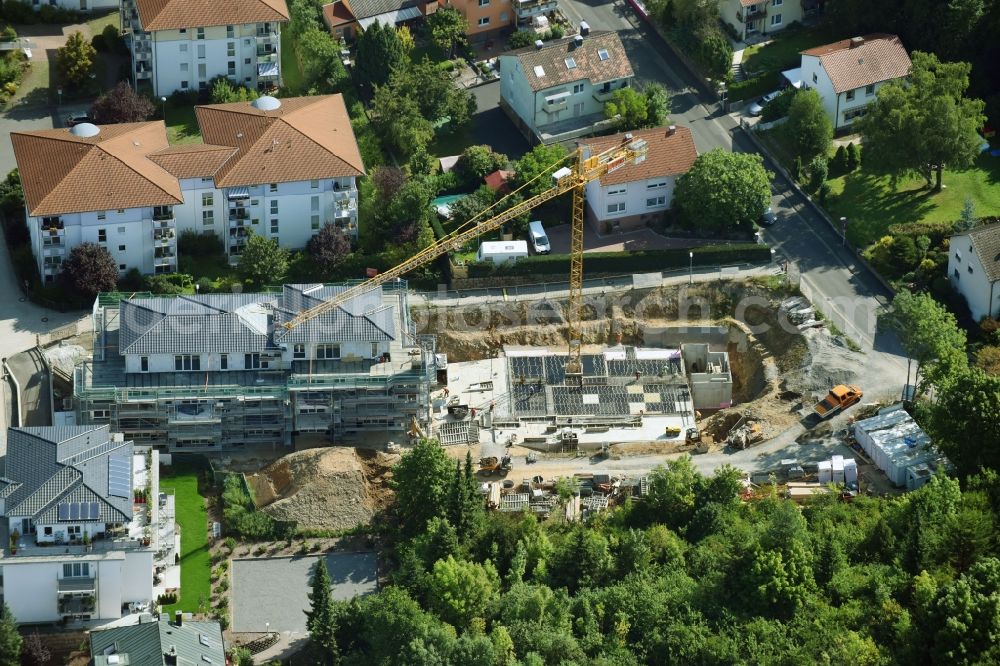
624,263
753,88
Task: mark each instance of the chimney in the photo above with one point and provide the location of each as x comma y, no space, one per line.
179,618
170,656
584,28
577,41
857,41
671,130
539,44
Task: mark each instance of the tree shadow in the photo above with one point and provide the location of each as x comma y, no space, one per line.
871,205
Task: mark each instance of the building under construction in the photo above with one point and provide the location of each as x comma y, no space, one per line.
219,371
626,393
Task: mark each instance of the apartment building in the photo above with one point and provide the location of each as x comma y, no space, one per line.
754,18
557,90
183,44
848,74
347,19
219,372
277,168
173,641
75,544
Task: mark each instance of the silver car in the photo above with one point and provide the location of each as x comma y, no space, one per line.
757,107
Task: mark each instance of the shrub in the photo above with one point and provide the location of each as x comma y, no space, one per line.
778,107
19,12
853,157
840,162
230,543
132,281
818,171
521,38
206,244
169,283
824,192
8,34
558,32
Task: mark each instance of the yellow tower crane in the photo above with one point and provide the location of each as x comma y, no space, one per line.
582,169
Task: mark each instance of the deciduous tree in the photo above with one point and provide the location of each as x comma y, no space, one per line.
477,162
924,124
462,590
88,270
809,126
536,167
930,336
724,191
75,60
263,261
448,28
966,421
329,247
421,481
121,104
34,651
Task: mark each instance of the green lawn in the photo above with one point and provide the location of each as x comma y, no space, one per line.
783,52
98,22
871,205
291,73
193,520
182,126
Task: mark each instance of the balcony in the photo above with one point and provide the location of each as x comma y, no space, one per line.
752,13
604,94
163,237
267,56
162,213
167,223
341,212
239,214
52,225
525,9
266,35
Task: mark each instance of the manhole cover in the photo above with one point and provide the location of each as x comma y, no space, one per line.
45,318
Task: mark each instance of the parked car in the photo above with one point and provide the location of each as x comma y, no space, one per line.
767,218
757,107
73,121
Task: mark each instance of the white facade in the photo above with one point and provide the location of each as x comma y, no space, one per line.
581,99
969,278
186,59
762,18
146,238
78,5
843,108
627,200
142,238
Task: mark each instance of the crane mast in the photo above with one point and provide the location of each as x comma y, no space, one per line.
584,169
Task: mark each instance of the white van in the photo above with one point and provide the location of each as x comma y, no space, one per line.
539,241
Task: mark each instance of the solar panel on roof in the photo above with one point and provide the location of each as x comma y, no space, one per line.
119,476
95,510
74,511
64,512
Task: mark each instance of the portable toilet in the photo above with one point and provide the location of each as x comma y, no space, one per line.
838,469
825,470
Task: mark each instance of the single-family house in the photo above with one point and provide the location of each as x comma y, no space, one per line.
75,544
631,195
277,168
184,44
847,74
166,642
557,90
974,269
346,19
753,18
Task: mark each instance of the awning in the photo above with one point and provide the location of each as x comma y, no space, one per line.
75,585
793,76
267,70
391,18
558,96
235,193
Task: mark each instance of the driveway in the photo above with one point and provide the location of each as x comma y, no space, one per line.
492,127
640,239
273,593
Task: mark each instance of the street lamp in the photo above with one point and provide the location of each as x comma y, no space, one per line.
690,267
843,230
163,101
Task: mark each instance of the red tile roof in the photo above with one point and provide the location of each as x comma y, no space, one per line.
338,13
64,173
862,61
176,14
667,155
196,160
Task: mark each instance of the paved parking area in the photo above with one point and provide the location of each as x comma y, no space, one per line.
275,591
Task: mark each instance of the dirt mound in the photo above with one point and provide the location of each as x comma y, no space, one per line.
330,488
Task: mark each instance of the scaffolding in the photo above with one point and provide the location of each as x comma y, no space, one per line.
217,410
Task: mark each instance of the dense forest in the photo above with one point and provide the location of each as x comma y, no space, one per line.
690,574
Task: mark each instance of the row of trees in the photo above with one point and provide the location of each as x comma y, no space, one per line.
688,575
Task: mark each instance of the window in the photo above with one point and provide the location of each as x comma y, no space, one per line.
231,68
76,569
231,49
375,353
207,198
617,191
653,202
183,31
122,267
246,61
504,17
854,113
224,362
144,364
958,256
603,54
74,531
775,19
201,33
484,3
870,90
274,227
776,3
299,351
273,187
202,72
251,361
314,222
314,184
570,63
184,48
328,351
314,204
484,21
208,217
957,275
121,248
201,51
184,362
658,184
274,206
184,85
815,78
184,67
577,88
230,32
121,230
970,270
850,95
616,208
48,531
102,235
102,216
